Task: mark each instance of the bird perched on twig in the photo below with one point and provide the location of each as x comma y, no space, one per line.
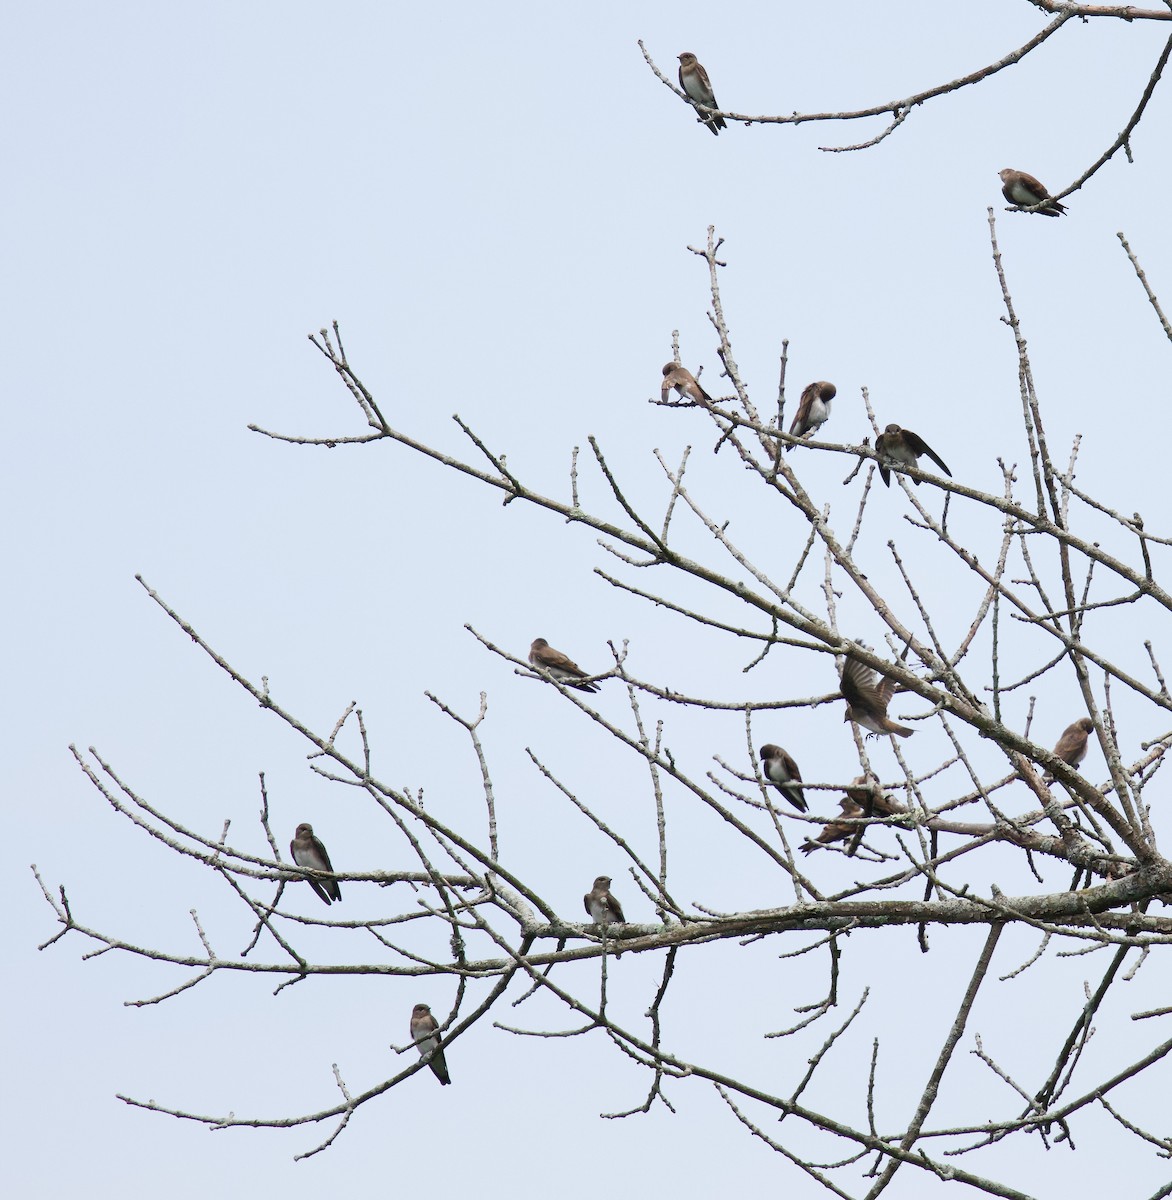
1025,191
1072,745
861,800
307,851
867,699
896,446
544,658
427,1041
781,770
813,410
836,831
686,384
694,81
603,908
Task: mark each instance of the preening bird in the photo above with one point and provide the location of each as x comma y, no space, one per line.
813,410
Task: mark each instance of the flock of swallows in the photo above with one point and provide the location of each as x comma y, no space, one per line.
866,695
895,446
309,853
1017,187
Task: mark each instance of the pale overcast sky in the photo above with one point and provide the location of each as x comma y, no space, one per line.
496,201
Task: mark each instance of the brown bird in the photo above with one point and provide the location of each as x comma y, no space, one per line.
781,770
836,831
308,851
694,81
427,1041
544,658
1024,190
685,383
603,908
861,800
902,447
813,410
867,699
1072,745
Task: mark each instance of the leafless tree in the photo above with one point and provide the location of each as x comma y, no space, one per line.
977,822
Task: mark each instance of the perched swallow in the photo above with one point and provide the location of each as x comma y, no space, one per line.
307,851
867,699
900,446
685,383
694,81
782,771
836,831
603,908
1019,188
861,800
1072,745
813,410
543,657
427,1041
870,799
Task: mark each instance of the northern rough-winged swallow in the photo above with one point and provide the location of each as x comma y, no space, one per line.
813,410
685,383
694,81
308,851
543,657
427,1041
1019,188
902,447
1072,745
867,698
861,800
603,908
782,771
835,831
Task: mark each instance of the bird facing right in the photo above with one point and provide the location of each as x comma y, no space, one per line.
813,410
1072,745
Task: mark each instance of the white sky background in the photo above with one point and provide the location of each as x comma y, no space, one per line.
495,204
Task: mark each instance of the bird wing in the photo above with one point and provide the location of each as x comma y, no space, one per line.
803,414
791,768
323,856
859,685
885,691
550,658
1072,741
919,446
881,451
1031,184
